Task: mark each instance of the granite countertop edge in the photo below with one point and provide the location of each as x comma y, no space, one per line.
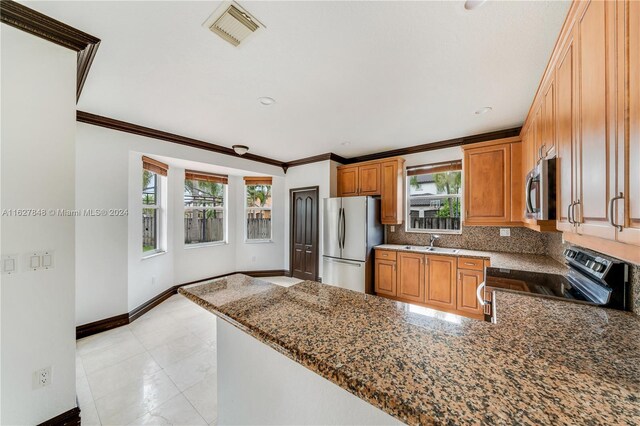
517,261
331,373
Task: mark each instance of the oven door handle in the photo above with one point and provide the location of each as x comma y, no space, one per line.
481,300
527,194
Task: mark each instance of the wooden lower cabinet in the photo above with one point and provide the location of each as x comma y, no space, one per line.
385,277
468,282
430,280
411,277
440,281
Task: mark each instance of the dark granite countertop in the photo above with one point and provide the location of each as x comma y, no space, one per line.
543,362
519,261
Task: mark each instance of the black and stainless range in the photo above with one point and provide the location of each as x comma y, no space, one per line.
591,278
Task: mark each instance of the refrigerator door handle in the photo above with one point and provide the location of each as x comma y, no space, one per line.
346,262
340,214
344,228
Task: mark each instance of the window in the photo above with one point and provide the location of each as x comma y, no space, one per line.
433,197
152,179
205,218
258,208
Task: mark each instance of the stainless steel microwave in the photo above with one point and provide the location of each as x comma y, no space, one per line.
540,191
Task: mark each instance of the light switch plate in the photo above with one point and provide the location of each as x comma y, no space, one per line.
10,264
505,232
392,228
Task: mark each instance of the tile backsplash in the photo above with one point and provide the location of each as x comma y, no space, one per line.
487,238
522,240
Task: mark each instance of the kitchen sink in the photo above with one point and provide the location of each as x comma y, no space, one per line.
442,250
428,249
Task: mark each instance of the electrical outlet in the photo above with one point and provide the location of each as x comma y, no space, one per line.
392,228
505,232
253,259
153,281
42,378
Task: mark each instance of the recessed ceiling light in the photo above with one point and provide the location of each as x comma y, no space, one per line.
240,149
484,110
473,4
346,143
265,100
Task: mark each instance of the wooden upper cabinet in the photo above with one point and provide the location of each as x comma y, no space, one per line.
347,181
548,140
566,136
488,175
628,208
441,281
595,171
467,285
536,128
392,191
369,179
410,277
385,277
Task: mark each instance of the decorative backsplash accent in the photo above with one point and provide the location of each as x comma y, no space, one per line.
522,240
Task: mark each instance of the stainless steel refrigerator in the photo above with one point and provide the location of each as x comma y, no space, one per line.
351,229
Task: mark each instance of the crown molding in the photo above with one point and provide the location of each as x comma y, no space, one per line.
32,22
123,126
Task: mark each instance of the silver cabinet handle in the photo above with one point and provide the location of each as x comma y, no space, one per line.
340,228
573,212
481,300
569,208
612,201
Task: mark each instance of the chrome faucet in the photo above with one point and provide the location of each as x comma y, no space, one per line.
433,238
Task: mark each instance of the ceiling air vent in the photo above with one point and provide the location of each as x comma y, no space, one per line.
232,23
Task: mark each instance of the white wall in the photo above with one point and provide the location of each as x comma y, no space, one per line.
322,174
37,169
436,156
111,161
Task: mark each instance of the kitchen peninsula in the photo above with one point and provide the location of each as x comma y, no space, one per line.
543,361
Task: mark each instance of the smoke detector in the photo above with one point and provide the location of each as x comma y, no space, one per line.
231,22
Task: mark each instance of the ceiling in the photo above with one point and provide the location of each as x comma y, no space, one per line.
378,75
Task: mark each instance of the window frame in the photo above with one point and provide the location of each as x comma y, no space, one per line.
248,240
407,206
225,216
157,206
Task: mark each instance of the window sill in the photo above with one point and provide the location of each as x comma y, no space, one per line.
153,254
258,241
204,245
434,231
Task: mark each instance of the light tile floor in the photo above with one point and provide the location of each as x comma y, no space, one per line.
158,370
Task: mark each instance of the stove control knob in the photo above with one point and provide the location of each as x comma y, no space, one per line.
590,264
598,267
570,253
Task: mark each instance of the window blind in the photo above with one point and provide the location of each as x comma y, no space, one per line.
205,177
444,166
154,166
257,180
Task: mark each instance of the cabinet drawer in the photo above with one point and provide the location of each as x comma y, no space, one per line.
386,254
470,263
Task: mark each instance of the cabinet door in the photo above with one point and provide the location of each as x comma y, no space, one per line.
595,173
369,179
548,121
385,279
488,184
392,208
629,166
411,277
468,282
347,181
566,137
441,281
536,127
